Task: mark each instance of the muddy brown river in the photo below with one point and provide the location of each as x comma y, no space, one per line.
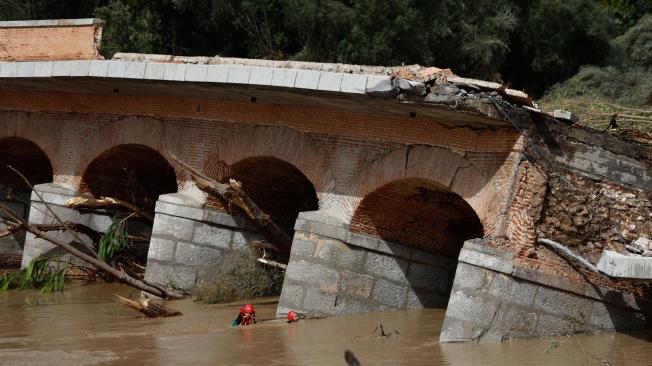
86,326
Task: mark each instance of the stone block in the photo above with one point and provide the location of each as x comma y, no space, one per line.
319,302
186,199
60,68
98,68
513,290
117,69
355,284
563,305
25,69
243,239
217,74
175,72
194,255
625,266
550,325
303,247
292,295
135,70
387,267
609,317
211,235
160,273
340,254
160,249
329,231
420,300
284,77
184,277
393,249
330,81
179,211
317,274
79,68
345,305
433,259
486,260
154,71
99,222
364,241
389,294
173,226
468,317
428,277
354,83
261,76
307,79
377,82
239,74
196,73
44,69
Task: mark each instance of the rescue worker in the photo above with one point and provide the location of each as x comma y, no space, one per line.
247,316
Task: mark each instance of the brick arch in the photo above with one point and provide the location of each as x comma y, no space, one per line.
145,131
46,136
28,158
443,167
282,143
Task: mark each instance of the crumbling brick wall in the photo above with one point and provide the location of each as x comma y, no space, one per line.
77,39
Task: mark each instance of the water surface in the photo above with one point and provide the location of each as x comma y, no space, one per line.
86,326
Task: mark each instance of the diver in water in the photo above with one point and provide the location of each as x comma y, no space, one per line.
247,316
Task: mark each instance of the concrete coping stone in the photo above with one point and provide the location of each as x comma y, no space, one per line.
625,266
255,76
187,206
55,188
502,261
49,23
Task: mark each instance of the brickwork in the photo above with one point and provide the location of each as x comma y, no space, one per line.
50,40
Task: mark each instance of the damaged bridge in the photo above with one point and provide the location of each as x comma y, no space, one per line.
402,187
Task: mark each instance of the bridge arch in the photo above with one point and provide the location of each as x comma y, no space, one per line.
144,131
444,168
281,143
132,172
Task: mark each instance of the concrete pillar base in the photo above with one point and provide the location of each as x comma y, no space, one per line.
493,299
189,241
56,197
335,272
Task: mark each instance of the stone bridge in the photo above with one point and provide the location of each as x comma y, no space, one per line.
380,177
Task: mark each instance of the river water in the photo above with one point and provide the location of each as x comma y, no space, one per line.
86,326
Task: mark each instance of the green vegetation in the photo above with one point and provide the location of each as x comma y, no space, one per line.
113,241
240,277
39,274
597,49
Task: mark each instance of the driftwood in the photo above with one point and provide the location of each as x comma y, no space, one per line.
10,259
56,217
233,195
148,307
104,203
15,222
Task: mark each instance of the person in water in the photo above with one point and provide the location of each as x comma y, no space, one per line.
247,316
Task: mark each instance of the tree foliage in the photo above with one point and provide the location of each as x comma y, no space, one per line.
529,44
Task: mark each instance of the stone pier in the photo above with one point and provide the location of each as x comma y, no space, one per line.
333,271
17,202
495,299
189,240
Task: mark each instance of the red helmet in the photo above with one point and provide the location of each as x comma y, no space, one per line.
247,308
293,316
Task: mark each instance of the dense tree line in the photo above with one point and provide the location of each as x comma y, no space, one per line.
530,44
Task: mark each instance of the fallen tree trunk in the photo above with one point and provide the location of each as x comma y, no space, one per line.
122,277
233,195
104,203
149,308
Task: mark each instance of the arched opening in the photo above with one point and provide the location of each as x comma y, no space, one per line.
26,157
134,173
277,187
418,213
130,172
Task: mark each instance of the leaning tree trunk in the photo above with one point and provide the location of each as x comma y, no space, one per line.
233,195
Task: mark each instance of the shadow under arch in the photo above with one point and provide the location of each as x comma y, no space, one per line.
131,172
282,143
29,159
279,188
418,213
